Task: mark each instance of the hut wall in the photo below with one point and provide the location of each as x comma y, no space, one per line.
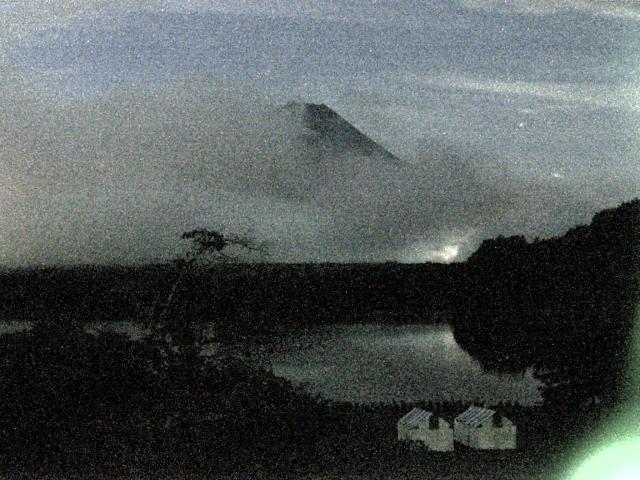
504,438
461,433
440,440
408,434
487,436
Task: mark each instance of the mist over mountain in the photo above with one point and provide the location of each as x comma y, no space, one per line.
327,133
118,178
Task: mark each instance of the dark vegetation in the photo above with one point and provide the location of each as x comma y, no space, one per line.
241,298
80,404
74,401
564,306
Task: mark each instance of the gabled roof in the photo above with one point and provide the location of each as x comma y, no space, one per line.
414,418
475,416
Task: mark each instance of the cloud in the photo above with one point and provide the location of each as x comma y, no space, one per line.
627,9
118,176
624,95
289,51
118,179
26,18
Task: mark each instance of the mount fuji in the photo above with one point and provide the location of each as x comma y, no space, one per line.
328,133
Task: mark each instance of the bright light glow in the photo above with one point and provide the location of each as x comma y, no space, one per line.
446,253
619,461
424,252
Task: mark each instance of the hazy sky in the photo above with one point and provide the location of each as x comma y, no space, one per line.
124,123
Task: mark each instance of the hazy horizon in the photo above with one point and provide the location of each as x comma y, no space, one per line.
124,124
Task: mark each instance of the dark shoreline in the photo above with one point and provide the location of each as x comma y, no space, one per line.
564,306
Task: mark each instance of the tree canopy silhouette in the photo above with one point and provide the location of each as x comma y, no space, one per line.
176,333
564,306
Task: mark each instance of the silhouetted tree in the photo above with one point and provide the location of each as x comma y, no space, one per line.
175,332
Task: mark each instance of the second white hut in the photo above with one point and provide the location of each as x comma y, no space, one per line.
424,427
481,428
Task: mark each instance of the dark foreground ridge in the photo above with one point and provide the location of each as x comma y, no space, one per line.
243,299
80,404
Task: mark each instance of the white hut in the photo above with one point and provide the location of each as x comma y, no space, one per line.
482,428
422,426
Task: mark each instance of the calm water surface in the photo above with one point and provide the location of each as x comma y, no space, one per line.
380,363
374,363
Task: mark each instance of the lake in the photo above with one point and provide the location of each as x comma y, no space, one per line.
382,363
374,363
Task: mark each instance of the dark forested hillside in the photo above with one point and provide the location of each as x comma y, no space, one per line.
237,296
564,305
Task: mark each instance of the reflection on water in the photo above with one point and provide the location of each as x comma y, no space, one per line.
134,331
15,326
374,363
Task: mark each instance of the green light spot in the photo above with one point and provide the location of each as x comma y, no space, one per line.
620,461
617,444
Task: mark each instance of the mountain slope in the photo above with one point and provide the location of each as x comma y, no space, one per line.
328,132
